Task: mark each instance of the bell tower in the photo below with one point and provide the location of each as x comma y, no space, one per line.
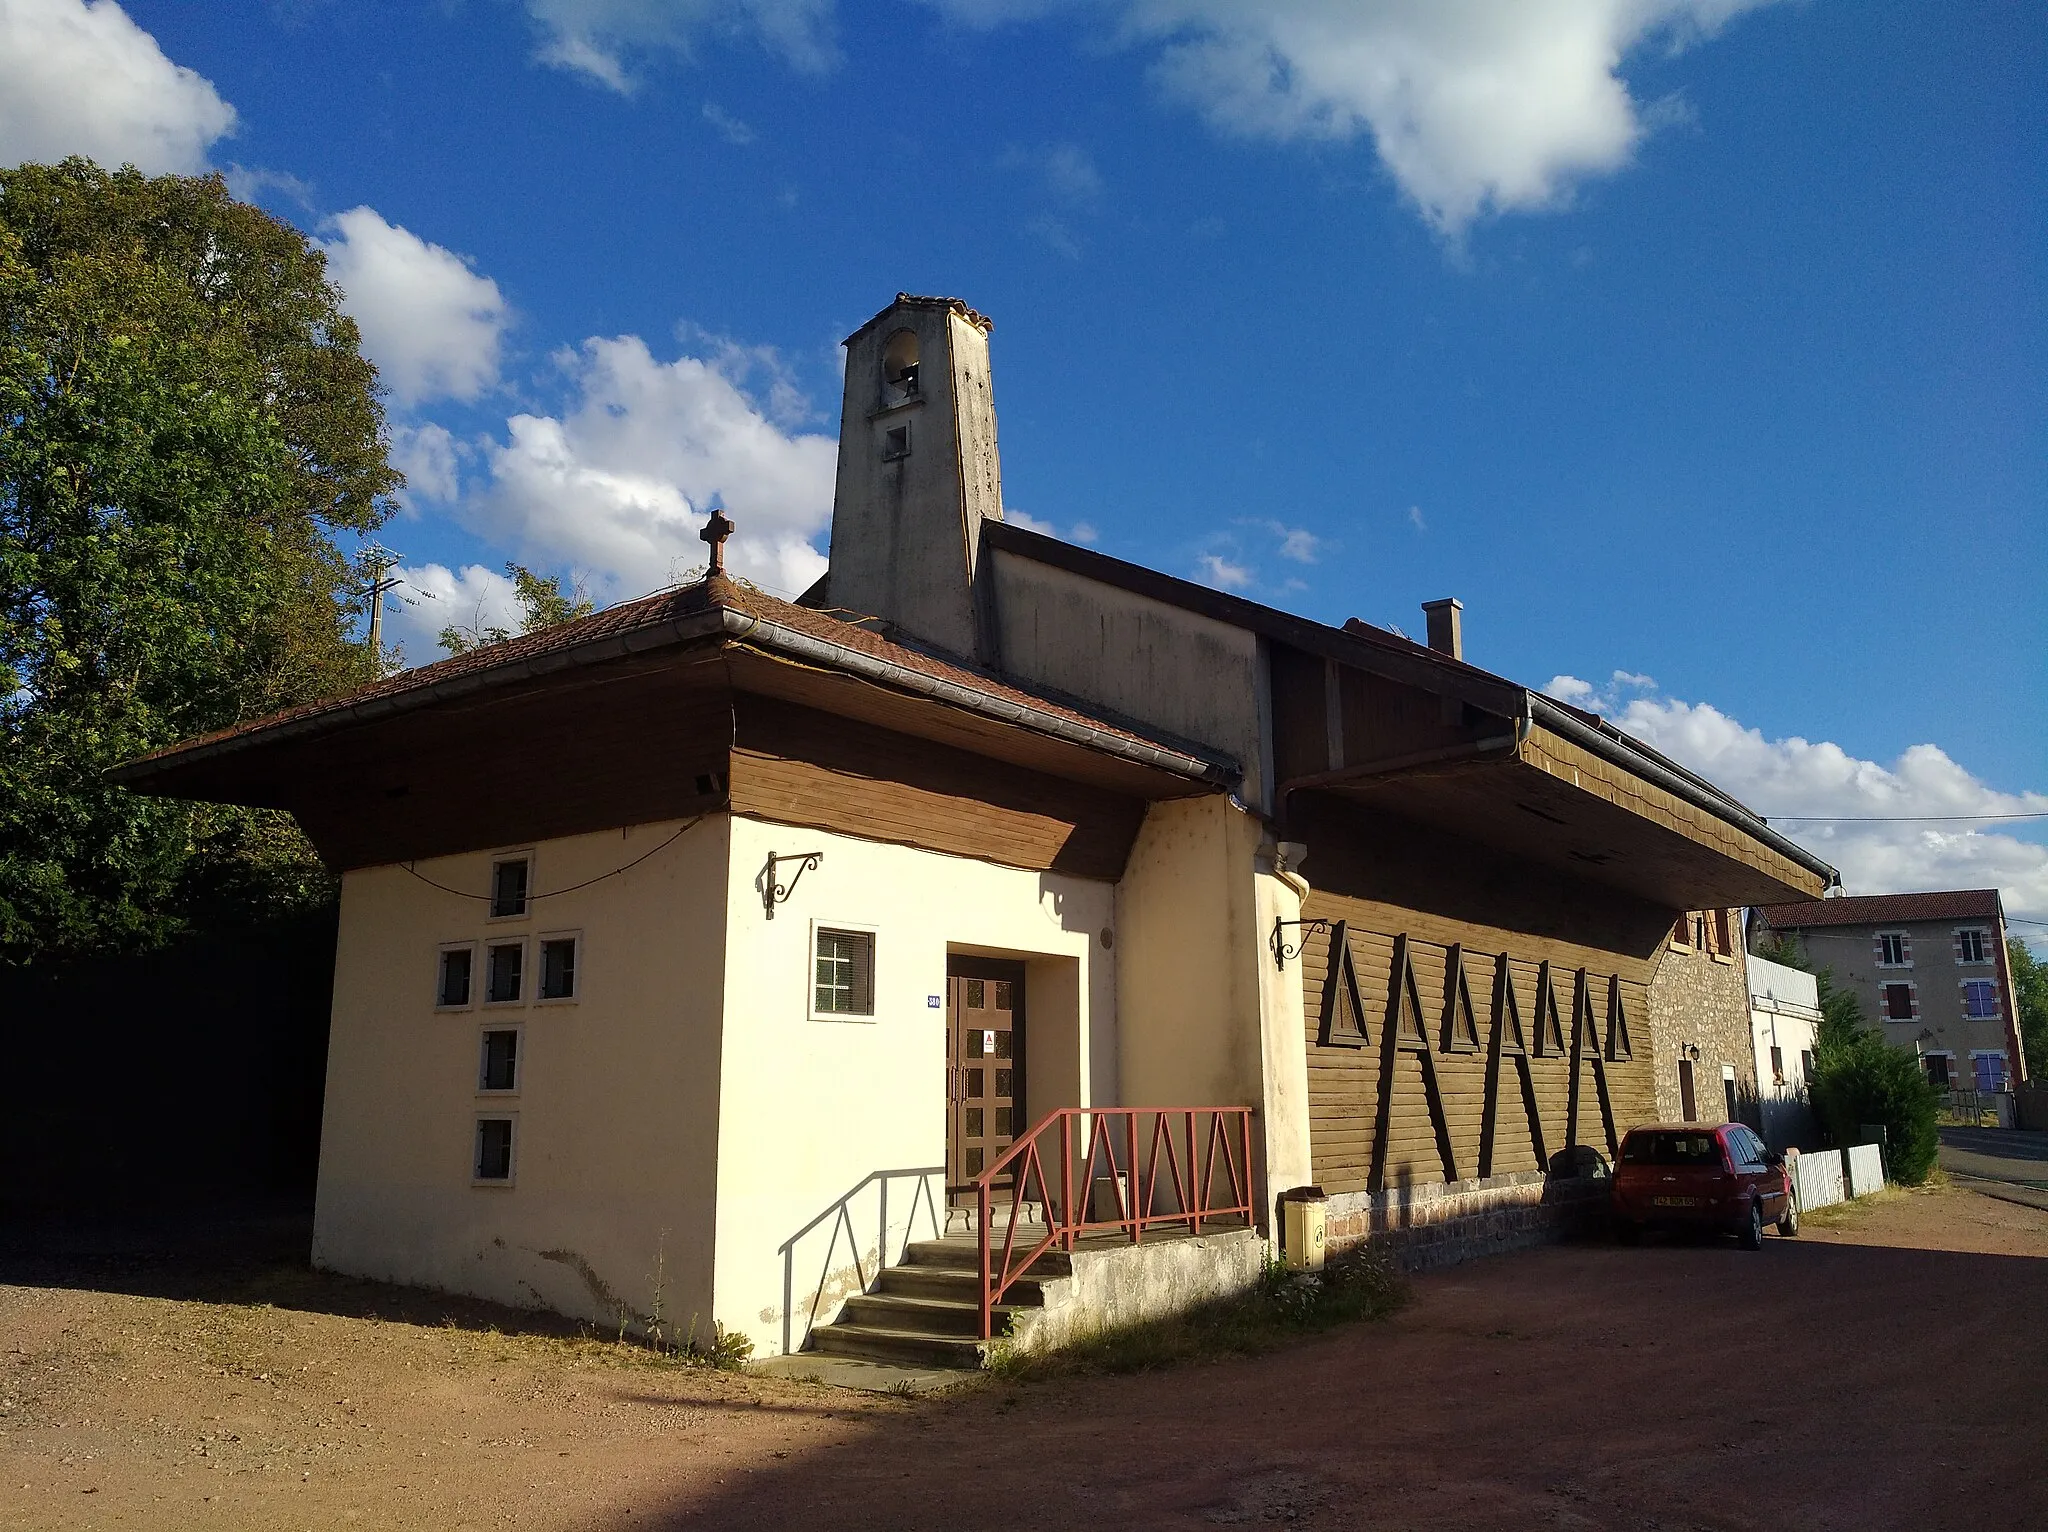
918,472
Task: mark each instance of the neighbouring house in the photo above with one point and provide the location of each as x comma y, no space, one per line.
727,957
1784,1011
1699,1021
1931,969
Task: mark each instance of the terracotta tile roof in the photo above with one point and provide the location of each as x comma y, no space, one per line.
659,610
1885,909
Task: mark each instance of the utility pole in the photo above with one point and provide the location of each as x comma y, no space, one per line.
376,560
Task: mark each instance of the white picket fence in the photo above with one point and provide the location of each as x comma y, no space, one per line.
1824,1177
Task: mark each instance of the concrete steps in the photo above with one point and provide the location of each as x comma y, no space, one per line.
927,1311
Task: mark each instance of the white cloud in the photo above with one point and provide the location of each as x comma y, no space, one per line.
599,38
1300,545
1787,777
434,597
1085,532
1221,573
80,77
1415,519
1066,171
429,457
1029,522
619,482
1474,106
432,325
727,126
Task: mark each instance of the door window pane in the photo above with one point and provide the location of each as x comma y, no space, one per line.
977,995
1005,995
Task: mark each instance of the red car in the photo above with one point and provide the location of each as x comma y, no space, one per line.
1682,1175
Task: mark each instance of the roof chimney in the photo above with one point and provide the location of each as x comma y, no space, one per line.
1446,626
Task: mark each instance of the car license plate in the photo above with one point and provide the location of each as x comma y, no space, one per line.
1674,1202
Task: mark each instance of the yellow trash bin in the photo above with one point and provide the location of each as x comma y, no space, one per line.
1301,1228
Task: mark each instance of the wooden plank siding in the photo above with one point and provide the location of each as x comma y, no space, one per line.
797,766
1345,1082
1569,763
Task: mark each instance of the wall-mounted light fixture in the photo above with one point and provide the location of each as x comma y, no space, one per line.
1282,951
774,893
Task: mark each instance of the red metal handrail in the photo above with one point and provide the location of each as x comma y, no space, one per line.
1141,1200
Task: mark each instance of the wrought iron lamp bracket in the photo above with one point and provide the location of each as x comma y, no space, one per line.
1282,950
774,893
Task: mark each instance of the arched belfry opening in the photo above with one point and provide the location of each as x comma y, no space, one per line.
899,367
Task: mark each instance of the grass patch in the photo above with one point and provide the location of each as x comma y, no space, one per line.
1283,1308
1846,1214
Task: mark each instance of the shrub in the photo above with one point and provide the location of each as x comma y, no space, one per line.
1865,1080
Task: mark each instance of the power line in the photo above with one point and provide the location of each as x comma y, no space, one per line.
1889,819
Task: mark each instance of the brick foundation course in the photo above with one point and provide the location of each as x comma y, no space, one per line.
1421,1228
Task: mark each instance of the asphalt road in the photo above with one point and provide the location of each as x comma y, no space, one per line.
2000,1162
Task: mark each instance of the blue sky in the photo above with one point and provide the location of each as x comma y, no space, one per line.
1697,345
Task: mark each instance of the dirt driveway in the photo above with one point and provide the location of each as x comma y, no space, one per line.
1889,1370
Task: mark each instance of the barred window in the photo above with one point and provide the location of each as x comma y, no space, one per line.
843,973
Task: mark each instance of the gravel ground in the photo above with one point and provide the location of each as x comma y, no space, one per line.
1885,1369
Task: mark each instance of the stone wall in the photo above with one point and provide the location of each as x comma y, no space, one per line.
1701,1000
1420,1228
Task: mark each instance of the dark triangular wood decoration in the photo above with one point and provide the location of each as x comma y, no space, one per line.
1404,1002
1586,1049
1343,1005
1549,1030
1461,1027
1507,1012
1506,1041
1619,1050
1404,1033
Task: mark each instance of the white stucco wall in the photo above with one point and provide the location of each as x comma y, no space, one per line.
1205,1017
819,1114
617,1106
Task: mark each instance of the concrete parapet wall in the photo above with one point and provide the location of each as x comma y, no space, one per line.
1865,1169
1133,1283
1420,1228
1817,1179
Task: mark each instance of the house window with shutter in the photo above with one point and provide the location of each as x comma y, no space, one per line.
1973,945
1900,1002
1980,999
1681,933
842,972
1894,949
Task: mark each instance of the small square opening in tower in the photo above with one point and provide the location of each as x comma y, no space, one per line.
896,443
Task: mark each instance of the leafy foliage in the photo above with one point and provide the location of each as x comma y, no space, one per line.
1867,1081
186,423
2030,995
542,604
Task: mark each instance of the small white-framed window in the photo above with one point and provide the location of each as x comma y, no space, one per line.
455,977
511,886
1973,945
504,972
1980,999
842,971
495,1149
561,957
1894,949
498,1060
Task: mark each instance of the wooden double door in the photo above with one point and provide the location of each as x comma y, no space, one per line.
984,1064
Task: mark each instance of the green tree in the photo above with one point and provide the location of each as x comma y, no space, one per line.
2030,996
542,604
186,425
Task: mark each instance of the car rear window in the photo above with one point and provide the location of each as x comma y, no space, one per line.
1671,1149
